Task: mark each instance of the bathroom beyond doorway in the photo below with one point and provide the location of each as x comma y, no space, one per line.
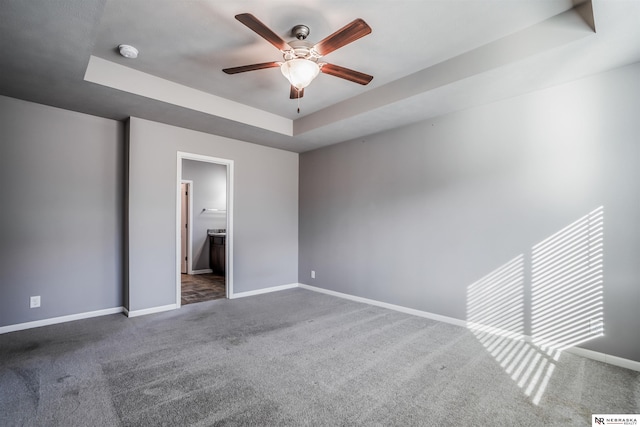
209,266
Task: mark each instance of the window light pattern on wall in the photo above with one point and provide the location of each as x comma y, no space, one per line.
567,280
495,303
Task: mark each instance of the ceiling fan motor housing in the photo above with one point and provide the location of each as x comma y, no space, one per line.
301,49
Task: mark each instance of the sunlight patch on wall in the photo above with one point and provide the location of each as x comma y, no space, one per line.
495,303
566,305
567,279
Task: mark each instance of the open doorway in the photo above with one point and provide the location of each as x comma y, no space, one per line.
208,281
204,223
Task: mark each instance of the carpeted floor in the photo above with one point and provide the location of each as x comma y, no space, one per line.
292,358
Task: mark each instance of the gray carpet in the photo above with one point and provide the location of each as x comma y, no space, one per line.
294,358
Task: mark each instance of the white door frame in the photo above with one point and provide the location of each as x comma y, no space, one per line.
229,240
189,229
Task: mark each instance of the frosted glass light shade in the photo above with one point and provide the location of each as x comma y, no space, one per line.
300,72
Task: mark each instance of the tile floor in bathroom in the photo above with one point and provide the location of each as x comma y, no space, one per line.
202,287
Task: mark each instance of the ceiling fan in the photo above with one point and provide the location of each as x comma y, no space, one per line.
301,58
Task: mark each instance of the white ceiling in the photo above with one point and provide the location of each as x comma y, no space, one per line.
428,58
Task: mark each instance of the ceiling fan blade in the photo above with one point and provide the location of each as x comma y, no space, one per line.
295,93
345,73
345,35
252,67
263,31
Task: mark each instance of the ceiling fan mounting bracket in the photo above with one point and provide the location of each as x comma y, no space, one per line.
300,32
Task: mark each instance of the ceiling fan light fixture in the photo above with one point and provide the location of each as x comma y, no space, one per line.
300,72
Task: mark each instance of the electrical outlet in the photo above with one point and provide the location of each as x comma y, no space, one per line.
34,302
313,274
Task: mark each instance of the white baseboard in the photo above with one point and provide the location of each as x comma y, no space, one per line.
589,354
61,319
145,311
606,358
399,308
205,271
263,291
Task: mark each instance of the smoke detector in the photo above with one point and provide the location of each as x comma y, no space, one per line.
128,51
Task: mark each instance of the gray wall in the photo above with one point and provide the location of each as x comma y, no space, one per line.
265,234
209,192
416,215
62,207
